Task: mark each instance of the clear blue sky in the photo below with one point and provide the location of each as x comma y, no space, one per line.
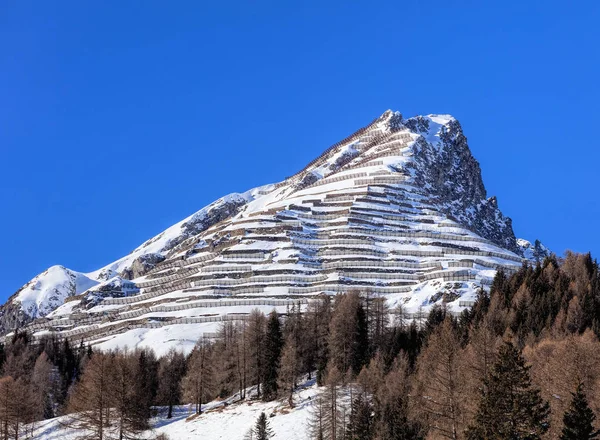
118,119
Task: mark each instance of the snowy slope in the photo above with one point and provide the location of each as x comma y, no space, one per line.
179,232
398,208
219,422
49,290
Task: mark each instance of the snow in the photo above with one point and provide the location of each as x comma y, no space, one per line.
324,230
49,290
218,422
181,337
528,249
158,243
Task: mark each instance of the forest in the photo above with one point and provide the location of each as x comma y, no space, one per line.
522,363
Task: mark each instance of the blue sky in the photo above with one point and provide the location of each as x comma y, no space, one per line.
118,119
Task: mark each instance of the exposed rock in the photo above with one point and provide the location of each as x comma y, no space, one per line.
422,163
142,265
452,175
201,223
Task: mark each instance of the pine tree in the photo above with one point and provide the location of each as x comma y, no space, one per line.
262,430
360,344
145,388
360,425
272,356
579,418
511,408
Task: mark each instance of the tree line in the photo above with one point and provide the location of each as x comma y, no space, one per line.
522,363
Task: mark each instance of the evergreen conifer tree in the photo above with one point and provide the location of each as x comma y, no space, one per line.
272,355
579,418
262,430
360,344
511,408
360,425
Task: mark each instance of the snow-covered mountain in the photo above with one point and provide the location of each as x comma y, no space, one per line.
397,208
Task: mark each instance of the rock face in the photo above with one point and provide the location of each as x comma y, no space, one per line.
398,208
141,265
450,172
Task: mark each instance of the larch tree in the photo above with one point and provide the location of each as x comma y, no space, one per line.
121,389
326,419
559,365
377,315
316,337
15,406
226,357
393,415
89,404
255,330
198,383
441,382
348,338
288,371
242,350
44,386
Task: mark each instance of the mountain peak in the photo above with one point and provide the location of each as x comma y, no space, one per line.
397,208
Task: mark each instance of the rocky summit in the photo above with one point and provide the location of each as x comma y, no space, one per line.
397,209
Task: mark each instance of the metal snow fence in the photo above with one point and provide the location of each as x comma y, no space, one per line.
244,256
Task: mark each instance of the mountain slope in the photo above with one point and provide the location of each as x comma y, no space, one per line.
398,208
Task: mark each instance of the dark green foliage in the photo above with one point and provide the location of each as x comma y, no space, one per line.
360,345
262,430
535,297
272,356
436,316
403,339
145,388
348,334
171,371
315,346
512,408
579,418
394,423
360,425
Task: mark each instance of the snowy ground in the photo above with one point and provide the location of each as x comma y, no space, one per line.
218,422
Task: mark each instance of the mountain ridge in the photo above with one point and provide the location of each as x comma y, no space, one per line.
424,153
